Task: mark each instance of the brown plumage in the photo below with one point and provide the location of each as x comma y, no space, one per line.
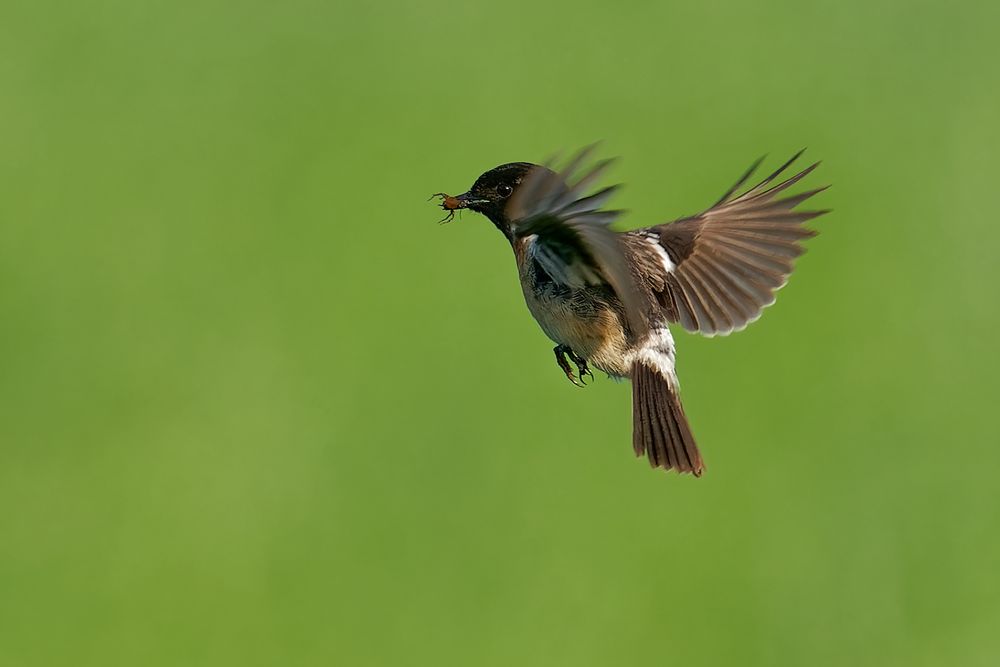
659,427
606,297
731,259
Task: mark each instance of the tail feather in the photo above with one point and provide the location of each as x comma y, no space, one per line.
659,427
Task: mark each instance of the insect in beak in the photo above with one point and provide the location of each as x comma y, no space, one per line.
450,204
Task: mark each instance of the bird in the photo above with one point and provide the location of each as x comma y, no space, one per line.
607,298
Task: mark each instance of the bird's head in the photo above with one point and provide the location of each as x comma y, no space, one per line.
491,193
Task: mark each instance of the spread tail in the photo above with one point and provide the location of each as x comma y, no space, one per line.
659,427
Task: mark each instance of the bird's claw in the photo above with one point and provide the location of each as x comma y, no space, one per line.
581,365
561,353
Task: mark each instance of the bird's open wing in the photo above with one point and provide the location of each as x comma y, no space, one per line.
574,243
715,272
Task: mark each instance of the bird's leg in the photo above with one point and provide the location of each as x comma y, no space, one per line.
581,365
561,351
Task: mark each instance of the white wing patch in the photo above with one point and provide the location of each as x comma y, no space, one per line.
668,265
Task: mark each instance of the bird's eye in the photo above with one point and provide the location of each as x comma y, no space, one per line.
504,190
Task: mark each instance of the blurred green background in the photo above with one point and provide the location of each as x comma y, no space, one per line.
257,408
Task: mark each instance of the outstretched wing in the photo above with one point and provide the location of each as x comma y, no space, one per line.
715,272
574,243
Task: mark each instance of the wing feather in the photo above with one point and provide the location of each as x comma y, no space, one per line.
727,263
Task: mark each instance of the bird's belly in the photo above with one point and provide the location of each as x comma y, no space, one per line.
592,329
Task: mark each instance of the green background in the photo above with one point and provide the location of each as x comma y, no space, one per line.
258,408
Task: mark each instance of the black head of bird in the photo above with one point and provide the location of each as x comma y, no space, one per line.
491,193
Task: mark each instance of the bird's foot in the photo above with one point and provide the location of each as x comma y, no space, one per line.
581,365
561,352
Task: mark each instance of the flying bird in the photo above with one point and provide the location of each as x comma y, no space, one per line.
606,298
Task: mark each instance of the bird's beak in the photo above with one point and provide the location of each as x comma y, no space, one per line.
452,204
465,201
